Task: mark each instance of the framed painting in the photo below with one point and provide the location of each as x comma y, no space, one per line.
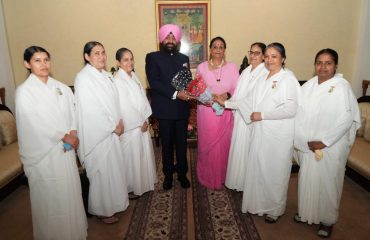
193,17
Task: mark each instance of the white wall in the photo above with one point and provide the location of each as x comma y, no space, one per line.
6,73
362,65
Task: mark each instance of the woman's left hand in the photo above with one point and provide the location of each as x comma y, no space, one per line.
316,145
119,128
144,128
256,116
71,139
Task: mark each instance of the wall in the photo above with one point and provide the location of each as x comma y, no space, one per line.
63,27
6,73
361,64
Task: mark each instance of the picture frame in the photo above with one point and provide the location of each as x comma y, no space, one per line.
193,17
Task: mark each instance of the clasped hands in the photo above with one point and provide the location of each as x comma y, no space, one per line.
119,128
316,145
144,127
256,116
72,139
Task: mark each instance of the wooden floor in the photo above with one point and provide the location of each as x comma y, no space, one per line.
353,223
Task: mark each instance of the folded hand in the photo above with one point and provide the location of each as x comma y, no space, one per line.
71,139
119,128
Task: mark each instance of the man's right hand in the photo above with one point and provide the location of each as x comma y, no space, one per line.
182,95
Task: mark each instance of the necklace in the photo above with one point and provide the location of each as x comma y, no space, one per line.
218,78
218,66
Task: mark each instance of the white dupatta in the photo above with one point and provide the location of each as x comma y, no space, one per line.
134,105
97,108
44,113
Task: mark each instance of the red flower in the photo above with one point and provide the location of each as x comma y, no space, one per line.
197,86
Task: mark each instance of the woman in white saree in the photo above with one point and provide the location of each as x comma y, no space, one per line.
274,104
326,126
47,140
240,102
136,141
99,128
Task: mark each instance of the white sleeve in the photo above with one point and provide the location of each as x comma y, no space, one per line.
286,110
231,104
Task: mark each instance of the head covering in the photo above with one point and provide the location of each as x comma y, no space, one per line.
167,29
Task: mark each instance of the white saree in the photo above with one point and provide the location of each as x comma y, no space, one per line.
100,150
44,114
241,103
271,148
137,145
329,113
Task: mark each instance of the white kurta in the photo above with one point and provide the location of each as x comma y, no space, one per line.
137,145
44,114
241,102
329,113
100,149
271,148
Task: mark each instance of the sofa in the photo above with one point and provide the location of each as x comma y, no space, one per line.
10,164
359,158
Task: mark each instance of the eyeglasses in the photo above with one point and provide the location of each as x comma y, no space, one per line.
256,53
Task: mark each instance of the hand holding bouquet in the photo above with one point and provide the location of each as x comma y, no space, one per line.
180,81
198,88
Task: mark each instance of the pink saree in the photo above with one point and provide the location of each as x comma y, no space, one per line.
214,132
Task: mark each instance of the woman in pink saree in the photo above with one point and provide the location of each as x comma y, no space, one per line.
214,131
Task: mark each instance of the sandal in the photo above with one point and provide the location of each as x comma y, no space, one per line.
109,220
132,196
297,218
324,231
271,219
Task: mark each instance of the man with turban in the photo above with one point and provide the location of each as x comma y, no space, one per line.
169,106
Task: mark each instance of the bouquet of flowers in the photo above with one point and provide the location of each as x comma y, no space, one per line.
181,80
198,88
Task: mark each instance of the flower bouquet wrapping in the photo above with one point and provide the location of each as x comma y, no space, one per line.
181,80
198,88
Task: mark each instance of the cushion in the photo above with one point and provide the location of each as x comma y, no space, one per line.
364,113
10,164
367,129
8,128
360,131
359,158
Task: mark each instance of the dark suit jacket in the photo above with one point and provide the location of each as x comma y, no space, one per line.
160,68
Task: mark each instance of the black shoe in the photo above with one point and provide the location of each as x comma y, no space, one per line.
167,183
184,182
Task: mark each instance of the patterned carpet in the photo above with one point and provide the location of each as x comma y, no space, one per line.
217,213
160,214
163,214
